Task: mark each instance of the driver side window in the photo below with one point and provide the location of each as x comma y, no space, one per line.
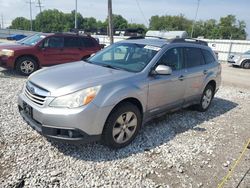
53,42
172,58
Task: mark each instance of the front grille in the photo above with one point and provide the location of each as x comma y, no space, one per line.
38,99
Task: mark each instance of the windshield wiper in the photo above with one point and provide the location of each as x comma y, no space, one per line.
110,66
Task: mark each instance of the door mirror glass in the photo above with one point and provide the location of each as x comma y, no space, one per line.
162,70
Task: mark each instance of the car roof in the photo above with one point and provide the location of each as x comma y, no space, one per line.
151,42
66,34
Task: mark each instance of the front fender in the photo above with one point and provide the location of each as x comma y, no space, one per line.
112,96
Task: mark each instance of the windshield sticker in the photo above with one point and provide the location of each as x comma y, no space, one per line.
42,36
152,48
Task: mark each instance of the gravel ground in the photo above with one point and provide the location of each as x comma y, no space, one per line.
183,149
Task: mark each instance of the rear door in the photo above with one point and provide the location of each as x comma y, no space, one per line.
89,46
72,48
167,91
196,70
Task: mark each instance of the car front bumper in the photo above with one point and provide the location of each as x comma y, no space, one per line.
84,124
6,62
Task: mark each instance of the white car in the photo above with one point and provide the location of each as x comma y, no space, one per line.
242,60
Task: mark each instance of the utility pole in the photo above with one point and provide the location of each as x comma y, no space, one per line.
198,5
2,26
110,27
76,16
31,24
39,5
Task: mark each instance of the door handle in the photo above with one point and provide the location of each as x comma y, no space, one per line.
205,72
181,78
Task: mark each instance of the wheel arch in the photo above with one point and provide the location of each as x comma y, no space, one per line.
131,100
27,55
243,61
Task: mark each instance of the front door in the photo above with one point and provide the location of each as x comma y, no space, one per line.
52,51
167,91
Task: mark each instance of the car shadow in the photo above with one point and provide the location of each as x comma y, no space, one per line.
8,73
154,133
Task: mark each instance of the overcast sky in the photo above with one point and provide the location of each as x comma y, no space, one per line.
130,9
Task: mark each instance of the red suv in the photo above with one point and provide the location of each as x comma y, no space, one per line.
31,53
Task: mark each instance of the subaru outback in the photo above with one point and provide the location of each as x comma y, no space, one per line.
111,95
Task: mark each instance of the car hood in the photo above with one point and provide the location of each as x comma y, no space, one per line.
13,46
70,77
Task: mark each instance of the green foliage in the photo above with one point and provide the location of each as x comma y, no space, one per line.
20,23
56,21
228,27
118,22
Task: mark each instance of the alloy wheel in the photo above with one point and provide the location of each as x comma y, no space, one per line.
207,97
27,67
124,127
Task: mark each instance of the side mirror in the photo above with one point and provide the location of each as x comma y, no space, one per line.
162,70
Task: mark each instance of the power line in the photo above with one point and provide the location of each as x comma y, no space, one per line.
142,13
196,13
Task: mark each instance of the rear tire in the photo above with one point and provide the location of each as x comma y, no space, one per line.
246,64
26,65
122,126
206,99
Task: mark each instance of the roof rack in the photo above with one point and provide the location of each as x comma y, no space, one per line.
189,40
135,37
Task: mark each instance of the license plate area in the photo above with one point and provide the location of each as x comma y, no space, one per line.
28,110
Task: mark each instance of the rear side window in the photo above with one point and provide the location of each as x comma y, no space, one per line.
88,42
172,58
71,42
209,58
194,57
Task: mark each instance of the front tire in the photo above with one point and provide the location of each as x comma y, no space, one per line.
246,64
26,65
122,126
206,99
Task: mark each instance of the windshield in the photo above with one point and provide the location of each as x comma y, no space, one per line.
32,40
247,52
126,56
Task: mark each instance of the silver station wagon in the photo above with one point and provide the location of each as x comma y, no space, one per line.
111,95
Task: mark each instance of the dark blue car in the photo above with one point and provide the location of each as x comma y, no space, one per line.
16,37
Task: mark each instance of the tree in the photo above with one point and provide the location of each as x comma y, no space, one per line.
118,22
20,23
51,21
170,23
231,28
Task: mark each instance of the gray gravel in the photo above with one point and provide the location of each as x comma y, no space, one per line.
182,149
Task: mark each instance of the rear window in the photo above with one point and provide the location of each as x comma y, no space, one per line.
194,57
88,42
209,58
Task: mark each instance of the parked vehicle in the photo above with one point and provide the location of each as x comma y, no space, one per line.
31,53
118,89
16,37
240,60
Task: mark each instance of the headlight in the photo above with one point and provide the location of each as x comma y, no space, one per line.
77,99
7,52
